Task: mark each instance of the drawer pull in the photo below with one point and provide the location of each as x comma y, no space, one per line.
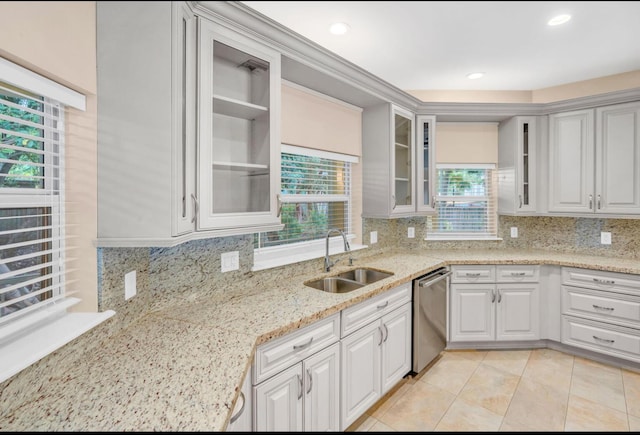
598,307
302,346
603,339
472,274
518,273
383,305
239,413
604,281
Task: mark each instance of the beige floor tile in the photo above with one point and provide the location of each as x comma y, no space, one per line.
419,409
463,416
390,399
585,415
631,382
598,383
550,367
472,354
490,388
512,361
537,406
451,373
381,427
363,424
634,423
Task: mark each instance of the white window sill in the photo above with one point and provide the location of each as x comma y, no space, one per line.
266,258
45,332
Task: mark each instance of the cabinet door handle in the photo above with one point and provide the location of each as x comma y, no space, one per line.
590,202
300,389
493,296
604,281
520,198
381,335
386,303
310,381
279,205
599,203
302,346
603,339
239,413
386,332
196,208
598,307
499,296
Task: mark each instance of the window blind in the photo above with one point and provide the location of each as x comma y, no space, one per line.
315,196
465,202
31,202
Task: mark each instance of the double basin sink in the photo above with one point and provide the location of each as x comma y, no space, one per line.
348,281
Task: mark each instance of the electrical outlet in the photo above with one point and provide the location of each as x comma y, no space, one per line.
130,285
605,238
514,232
230,261
373,237
411,232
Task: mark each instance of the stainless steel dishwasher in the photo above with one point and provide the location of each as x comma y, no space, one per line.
429,317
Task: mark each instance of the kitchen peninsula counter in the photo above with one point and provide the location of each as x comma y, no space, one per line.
181,368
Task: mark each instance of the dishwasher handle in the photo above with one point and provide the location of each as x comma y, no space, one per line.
439,277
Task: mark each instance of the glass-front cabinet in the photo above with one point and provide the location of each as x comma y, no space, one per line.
403,196
425,159
239,140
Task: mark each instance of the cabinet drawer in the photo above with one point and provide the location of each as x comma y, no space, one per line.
600,337
601,280
276,355
599,305
363,313
473,273
518,273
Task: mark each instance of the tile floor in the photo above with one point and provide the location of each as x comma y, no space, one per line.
510,390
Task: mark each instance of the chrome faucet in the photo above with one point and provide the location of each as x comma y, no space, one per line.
327,262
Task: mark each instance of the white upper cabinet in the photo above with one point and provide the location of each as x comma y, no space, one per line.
517,158
238,132
146,122
397,168
425,162
594,161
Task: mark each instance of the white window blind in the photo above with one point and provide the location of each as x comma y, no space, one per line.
315,196
31,202
465,202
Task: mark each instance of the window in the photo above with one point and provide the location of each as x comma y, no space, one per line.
315,197
465,203
31,202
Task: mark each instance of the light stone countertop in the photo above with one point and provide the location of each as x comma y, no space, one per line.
181,369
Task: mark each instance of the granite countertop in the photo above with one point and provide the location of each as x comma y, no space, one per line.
181,369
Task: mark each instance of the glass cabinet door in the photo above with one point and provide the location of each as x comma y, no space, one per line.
403,164
426,128
526,164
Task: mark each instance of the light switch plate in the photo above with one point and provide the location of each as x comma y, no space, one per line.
373,237
514,232
605,238
411,232
130,285
230,261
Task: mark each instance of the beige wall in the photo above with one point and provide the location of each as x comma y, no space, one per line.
467,142
57,40
618,82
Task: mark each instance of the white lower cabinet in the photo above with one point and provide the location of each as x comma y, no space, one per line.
601,312
374,359
303,397
296,380
494,303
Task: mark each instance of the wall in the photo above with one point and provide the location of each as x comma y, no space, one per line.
59,43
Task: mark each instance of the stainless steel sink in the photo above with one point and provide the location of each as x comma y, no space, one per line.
349,280
334,284
364,275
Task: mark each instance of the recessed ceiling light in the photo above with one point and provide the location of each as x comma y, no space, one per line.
339,28
475,75
560,19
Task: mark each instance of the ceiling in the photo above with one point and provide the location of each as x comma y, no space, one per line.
433,45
